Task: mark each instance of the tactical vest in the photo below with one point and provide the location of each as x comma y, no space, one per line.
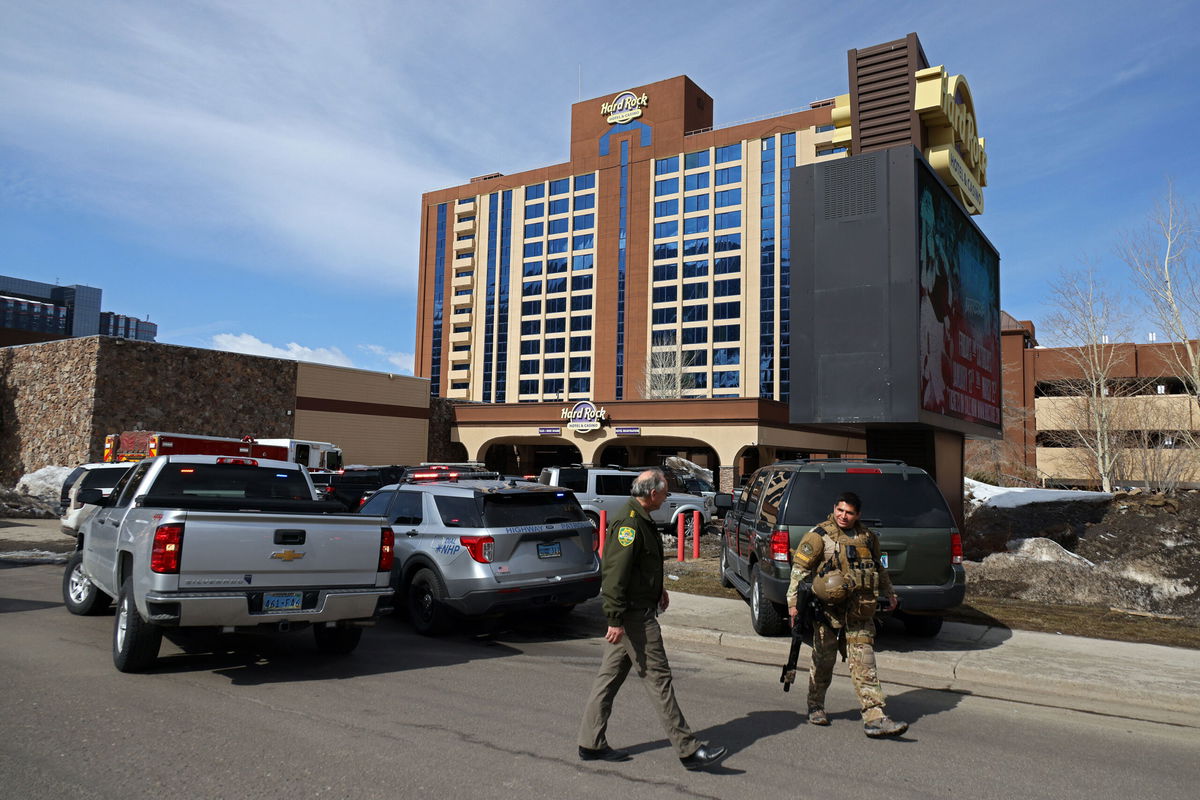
854,557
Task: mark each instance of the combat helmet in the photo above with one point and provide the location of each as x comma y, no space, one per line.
832,588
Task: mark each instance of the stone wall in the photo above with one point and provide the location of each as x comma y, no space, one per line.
47,396
441,420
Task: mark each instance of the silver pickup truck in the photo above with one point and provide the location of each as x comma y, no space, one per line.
230,543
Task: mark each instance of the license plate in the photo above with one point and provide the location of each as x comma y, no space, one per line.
549,549
883,560
282,601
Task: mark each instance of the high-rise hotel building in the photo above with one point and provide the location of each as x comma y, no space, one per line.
649,271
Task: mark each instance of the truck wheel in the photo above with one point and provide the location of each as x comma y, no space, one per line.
922,626
764,615
80,595
337,640
425,609
724,577
135,641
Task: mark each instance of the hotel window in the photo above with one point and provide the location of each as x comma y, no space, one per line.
726,356
695,291
529,366
531,327
583,242
581,302
461,292
585,201
555,345
695,247
579,343
665,166
556,285
553,366
699,380
532,268
534,210
581,385
535,191
585,181
556,245
665,272
663,339
463,201
730,379
581,283
581,364
460,385
557,225
581,262
666,208
728,241
556,305
533,249
697,202
462,311
731,310
466,237
461,348
727,288
730,152
664,316
728,175
694,160
727,264
695,358
829,151
560,186
664,294
726,333
695,225
666,186
534,230
531,308
826,128
552,386
531,347
696,313
584,222
666,250
560,206
469,218
727,219
528,387
462,328
695,269
697,181
530,288
556,265
557,325
467,254
582,322
727,197
666,230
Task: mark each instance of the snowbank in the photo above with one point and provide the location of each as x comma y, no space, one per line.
46,482
984,494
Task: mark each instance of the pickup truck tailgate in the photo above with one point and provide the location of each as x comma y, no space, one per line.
224,549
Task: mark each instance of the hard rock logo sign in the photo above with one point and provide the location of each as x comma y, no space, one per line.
624,107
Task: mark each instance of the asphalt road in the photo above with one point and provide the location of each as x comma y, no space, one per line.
493,713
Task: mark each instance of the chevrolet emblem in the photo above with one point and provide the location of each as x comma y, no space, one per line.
287,555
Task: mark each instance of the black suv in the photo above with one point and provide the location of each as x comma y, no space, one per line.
922,549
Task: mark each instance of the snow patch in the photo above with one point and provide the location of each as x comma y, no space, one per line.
34,557
46,482
984,494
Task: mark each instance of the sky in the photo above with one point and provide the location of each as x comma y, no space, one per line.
248,175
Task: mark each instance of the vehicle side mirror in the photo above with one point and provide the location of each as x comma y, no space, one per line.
93,497
723,500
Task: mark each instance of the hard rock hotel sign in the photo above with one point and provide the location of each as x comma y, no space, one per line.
953,146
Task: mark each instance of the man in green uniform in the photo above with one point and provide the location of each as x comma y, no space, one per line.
841,559
633,595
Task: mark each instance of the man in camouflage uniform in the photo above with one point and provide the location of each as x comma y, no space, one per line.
841,558
633,595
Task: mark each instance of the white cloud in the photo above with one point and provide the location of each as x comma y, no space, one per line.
252,345
404,362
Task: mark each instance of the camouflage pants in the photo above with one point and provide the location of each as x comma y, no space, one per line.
860,652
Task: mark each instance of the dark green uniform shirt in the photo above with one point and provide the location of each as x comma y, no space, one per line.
632,572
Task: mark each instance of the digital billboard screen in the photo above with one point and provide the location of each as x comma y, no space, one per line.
959,296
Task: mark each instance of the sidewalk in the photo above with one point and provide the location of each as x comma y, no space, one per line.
1123,679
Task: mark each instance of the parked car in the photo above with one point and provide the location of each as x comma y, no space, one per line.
87,476
607,489
922,548
478,546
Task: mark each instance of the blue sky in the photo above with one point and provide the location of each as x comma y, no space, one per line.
248,174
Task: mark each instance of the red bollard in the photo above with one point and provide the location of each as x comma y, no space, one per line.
695,535
602,531
679,535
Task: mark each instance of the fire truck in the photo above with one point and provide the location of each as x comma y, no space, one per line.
136,445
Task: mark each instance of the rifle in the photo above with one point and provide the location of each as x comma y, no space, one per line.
802,629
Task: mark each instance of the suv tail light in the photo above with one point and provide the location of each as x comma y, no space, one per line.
167,549
387,549
956,553
864,470
780,546
481,548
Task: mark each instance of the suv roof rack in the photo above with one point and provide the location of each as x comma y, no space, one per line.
895,461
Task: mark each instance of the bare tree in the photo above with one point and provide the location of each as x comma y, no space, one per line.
665,377
1003,462
1161,448
1088,318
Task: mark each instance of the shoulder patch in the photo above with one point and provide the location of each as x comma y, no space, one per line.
626,535
806,548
